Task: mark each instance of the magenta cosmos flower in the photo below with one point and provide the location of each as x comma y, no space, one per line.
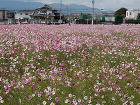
52,75
56,99
29,97
7,89
96,87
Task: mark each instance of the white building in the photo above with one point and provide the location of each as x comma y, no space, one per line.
132,14
106,16
24,15
53,15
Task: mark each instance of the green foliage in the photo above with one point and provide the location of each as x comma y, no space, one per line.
138,17
85,16
119,19
131,21
121,11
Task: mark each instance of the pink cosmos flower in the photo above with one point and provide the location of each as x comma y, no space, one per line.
32,87
1,98
25,81
66,80
36,92
56,99
29,97
7,89
23,76
52,75
39,80
18,76
20,100
64,69
33,83
74,96
132,65
61,74
96,87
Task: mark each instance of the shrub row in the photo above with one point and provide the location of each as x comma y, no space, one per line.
132,21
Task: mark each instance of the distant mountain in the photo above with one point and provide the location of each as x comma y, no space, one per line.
74,8
19,5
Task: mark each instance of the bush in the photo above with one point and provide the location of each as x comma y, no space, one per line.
131,21
119,19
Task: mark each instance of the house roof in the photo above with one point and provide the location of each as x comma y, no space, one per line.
134,10
10,11
106,14
46,7
29,11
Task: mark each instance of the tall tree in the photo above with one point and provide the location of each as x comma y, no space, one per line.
119,15
121,11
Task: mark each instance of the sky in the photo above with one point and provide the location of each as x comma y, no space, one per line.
101,4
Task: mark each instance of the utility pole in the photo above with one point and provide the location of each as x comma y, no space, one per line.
70,13
60,10
67,11
46,15
93,10
14,17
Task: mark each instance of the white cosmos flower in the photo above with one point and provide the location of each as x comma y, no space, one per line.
89,101
53,92
66,101
33,95
28,73
102,96
79,100
54,89
44,102
2,101
39,95
45,90
34,77
75,103
132,96
9,85
131,103
113,98
22,86
85,97
70,95
49,88
52,103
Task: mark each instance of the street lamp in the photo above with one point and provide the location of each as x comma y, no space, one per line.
92,9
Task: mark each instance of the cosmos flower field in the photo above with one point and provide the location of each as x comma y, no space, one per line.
69,65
